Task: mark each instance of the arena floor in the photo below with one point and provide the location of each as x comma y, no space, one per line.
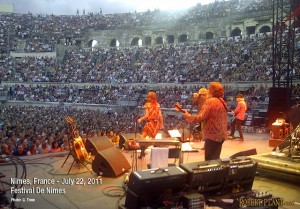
82,189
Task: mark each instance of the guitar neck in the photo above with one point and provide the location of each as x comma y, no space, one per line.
179,108
182,110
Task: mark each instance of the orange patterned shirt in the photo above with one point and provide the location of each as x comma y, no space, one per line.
214,114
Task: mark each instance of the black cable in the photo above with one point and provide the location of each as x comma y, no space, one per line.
16,162
15,195
119,200
111,189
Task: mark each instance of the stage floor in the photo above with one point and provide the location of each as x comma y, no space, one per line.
83,189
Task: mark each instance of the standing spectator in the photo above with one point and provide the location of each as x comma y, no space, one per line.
239,113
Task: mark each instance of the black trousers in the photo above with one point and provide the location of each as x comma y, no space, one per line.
212,149
238,124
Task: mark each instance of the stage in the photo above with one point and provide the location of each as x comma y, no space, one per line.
81,188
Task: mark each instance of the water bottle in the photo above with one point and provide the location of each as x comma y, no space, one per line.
277,151
126,179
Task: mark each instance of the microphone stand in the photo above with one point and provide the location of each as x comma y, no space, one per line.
190,111
135,125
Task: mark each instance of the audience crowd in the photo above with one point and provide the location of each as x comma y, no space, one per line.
115,94
36,130
28,130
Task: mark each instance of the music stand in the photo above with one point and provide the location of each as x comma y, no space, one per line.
174,133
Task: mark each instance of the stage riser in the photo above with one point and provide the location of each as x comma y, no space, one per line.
279,165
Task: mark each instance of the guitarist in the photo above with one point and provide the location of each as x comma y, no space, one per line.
214,114
199,100
153,117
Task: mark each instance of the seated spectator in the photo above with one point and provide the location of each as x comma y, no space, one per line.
38,145
4,149
20,151
25,144
44,149
32,150
65,145
55,147
50,142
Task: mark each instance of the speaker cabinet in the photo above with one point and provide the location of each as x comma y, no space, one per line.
109,161
125,137
96,144
279,102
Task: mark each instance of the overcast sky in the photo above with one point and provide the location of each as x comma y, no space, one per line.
69,7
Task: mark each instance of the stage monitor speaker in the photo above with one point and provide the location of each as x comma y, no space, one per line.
97,144
244,153
279,102
125,137
110,163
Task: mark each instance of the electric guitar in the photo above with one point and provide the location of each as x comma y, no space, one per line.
178,107
80,152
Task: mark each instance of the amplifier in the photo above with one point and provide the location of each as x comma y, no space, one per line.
157,180
241,174
147,187
206,177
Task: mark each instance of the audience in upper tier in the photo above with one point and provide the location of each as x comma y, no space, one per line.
41,32
248,59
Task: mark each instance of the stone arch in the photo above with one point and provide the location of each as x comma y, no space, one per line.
182,38
159,40
265,29
250,30
114,43
209,35
147,40
236,32
136,41
170,39
92,43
